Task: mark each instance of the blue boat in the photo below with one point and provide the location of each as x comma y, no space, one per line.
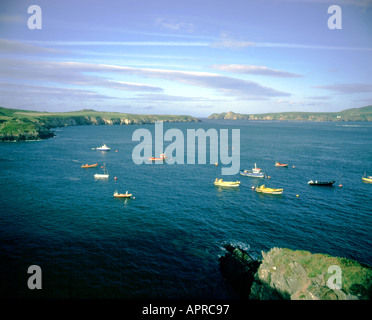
255,172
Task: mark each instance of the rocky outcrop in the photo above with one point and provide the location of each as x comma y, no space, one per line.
20,125
285,274
354,114
239,268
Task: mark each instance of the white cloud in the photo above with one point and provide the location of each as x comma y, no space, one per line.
257,70
174,25
12,19
123,43
227,41
76,73
358,3
16,47
66,73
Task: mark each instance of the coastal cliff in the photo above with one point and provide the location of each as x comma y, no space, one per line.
354,114
285,274
22,125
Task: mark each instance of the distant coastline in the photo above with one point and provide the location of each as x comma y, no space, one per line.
25,125
354,114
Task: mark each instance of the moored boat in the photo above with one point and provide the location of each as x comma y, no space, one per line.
103,148
105,174
263,189
122,195
89,165
255,172
278,164
221,183
367,179
321,183
162,158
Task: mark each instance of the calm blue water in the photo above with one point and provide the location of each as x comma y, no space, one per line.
165,243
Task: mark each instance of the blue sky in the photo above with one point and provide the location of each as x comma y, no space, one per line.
186,57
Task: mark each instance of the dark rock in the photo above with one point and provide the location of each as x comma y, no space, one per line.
239,268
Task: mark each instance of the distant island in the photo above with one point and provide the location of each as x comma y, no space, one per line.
22,125
355,114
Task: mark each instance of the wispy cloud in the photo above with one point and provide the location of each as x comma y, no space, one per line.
167,98
358,3
348,88
66,73
76,73
123,43
228,41
257,70
12,19
40,97
16,47
27,91
174,25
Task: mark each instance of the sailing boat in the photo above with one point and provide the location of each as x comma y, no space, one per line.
105,174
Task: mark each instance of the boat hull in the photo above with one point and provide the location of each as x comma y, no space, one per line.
122,195
265,190
229,184
101,176
252,174
369,180
90,165
321,183
103,148
281,164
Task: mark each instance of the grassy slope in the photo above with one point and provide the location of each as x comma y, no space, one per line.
15,123
355,114
356,277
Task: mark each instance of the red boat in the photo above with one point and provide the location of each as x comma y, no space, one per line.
278,164
162,158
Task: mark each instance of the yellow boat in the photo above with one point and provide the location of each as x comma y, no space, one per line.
122,195
367,179
264,189
221,183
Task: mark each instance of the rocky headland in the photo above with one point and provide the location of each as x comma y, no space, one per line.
22,125
285,274
354,114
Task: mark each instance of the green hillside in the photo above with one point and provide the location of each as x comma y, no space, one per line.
355,114
20,125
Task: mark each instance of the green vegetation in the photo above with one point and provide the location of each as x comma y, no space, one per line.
302,274
355,114
20,125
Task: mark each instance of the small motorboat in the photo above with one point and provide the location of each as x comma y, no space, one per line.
278,164
255,172
221,183
162,158
89,165
263,189
367,179
105,174
122,195
321,183
103,148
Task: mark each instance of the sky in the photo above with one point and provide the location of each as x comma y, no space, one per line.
192,57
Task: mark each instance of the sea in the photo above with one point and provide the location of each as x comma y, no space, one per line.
165,242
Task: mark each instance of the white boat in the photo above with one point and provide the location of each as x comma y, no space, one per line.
255,172
105,174
103,148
